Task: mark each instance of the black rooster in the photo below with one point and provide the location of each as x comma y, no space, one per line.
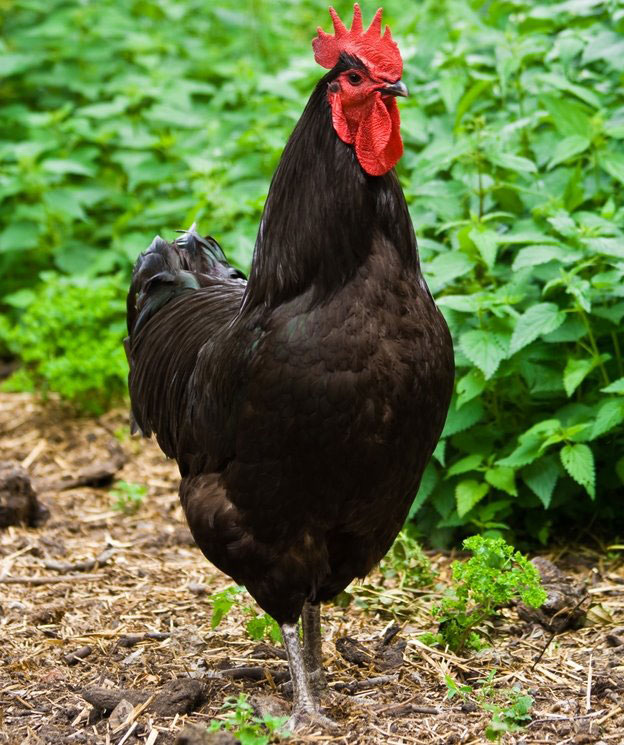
303,405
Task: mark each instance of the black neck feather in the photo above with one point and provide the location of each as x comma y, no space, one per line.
322,213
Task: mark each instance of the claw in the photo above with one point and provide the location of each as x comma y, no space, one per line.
303,719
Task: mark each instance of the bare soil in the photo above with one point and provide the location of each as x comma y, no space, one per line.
98,606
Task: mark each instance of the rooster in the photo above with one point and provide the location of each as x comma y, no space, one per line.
301,405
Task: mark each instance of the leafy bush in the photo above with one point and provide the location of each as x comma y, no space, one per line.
69,339
493,577
515,171
113,128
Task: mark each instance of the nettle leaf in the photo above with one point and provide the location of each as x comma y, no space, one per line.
468,493
616,387
461,303
525,453
578,461
427,484
440,452
569,118
568,148
613,164
469,387
541,477
513,162
463,465
448,266
610,414
459,420
486,242
483,349
577,370
537,320
542,254
504,478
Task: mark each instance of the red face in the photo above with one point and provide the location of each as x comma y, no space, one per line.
365,114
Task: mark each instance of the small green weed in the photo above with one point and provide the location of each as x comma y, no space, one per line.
494,576
246,726
407,562
404,570
258,627
509,707
128,496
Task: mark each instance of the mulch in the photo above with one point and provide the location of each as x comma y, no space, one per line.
102,611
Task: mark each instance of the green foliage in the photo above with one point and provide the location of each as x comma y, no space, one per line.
68,337
495,575
113,128
128,496
248,728
509,707
406,562
258,627
514,170
404,570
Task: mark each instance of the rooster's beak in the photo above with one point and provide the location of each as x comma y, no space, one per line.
395,89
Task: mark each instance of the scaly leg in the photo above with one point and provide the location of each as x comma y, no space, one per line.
312,649
306,705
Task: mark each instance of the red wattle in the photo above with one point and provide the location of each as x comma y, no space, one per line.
377,135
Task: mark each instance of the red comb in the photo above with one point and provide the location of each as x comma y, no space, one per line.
378,52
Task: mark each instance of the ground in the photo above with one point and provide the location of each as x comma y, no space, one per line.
56,601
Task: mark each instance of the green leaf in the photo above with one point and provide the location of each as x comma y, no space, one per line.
486,242
513,162
576,371
541,477
537,320
541,254
504,478
463,465
468,493
613,164
610,414
65,165
19,236
616,387
469,386
459,420
471,95
427,485
578,461
483,349
569,118
568,148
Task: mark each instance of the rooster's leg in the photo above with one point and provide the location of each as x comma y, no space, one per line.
306,705
312,650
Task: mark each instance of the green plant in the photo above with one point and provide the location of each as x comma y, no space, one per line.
509,707
112,129
510,716
68,336
258,626
515,167
128,496
406,562
246,726
494,576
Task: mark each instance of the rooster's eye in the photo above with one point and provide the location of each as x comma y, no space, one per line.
354,78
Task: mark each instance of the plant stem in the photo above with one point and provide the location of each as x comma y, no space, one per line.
594,346
618,352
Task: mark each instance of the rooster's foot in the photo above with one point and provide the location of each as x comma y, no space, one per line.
305,719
